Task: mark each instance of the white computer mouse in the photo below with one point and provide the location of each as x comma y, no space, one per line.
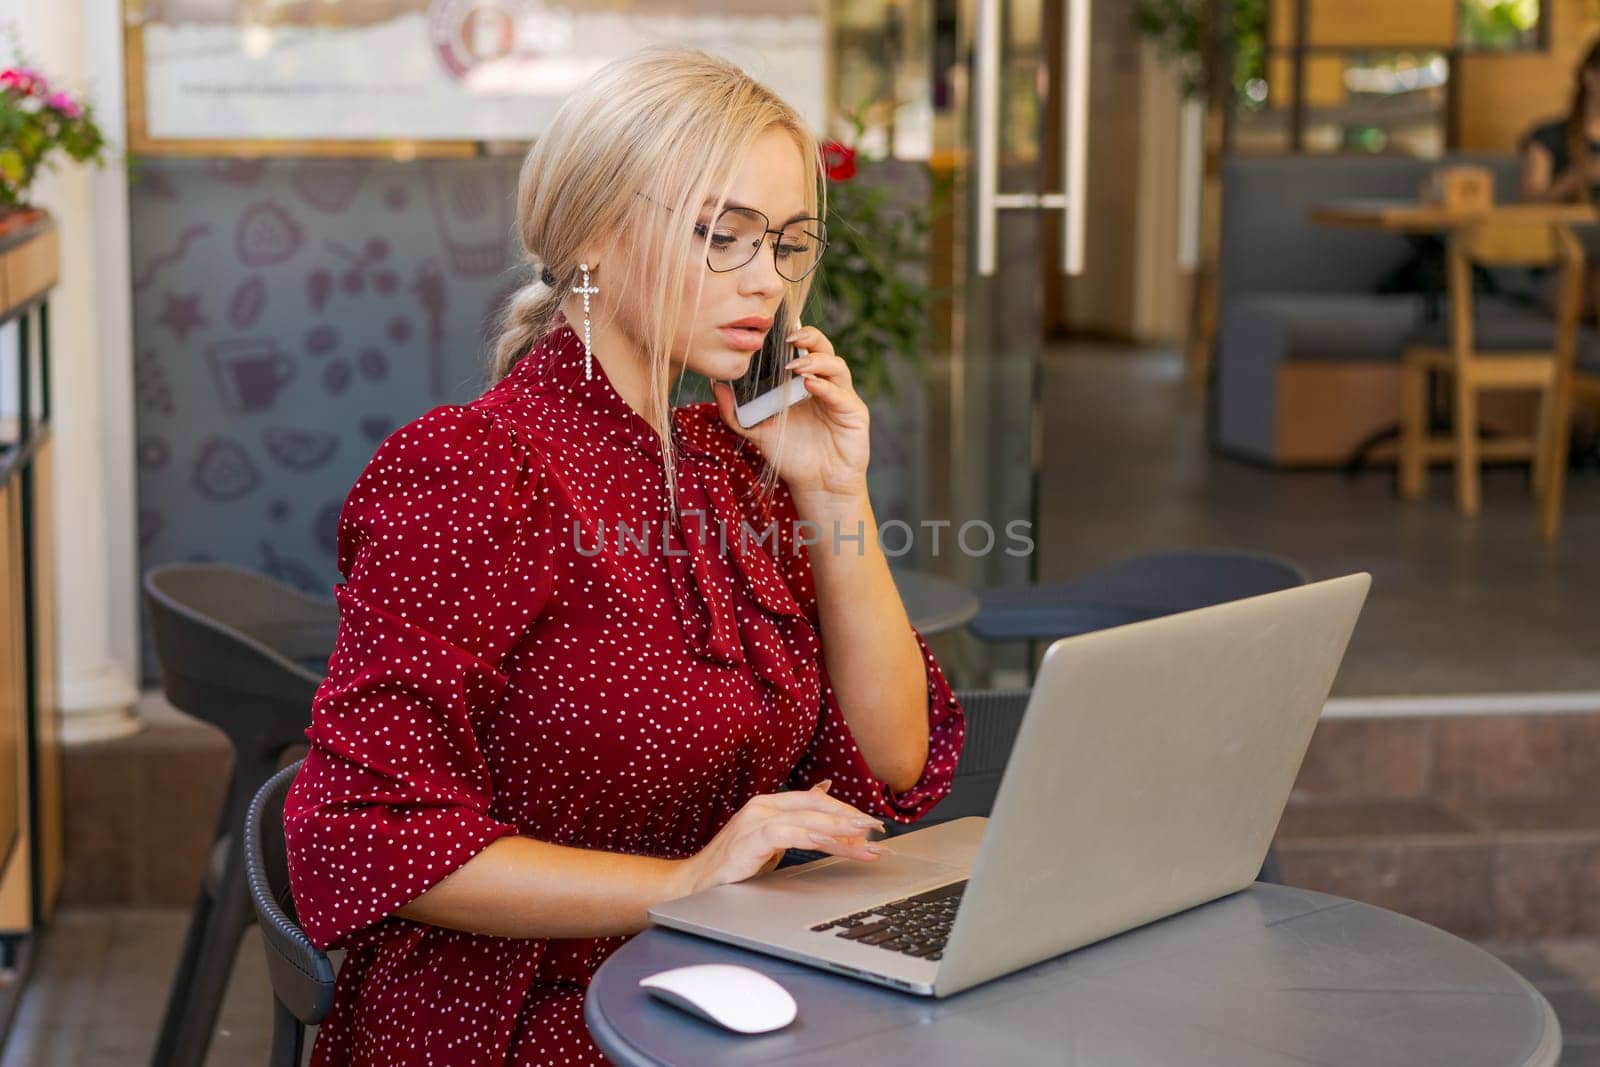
733,997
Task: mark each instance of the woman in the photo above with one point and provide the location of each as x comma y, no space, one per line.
1561,163
1561,158
532,730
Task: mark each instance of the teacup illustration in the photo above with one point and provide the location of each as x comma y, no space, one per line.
249,372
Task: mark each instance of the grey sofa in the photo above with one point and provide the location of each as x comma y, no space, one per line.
1307,352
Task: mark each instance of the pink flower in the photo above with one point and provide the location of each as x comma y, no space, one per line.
23,80
64,104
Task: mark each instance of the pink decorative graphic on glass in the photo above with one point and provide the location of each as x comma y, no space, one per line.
249,373
267,234
329,185
224,471
472,209
249,300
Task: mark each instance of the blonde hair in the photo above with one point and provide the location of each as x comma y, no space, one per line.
673,123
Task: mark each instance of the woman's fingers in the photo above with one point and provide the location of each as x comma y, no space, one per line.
832,823
780,833
823,365
753,841
813,800
811,339
827,377
836,397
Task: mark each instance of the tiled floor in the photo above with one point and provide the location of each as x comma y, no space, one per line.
100,987
97,996
1457,605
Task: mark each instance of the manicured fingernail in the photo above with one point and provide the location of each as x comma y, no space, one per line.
866,822
822,839
793,335
880,850
824,784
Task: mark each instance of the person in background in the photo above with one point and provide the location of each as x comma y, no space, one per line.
1561,164
1561,158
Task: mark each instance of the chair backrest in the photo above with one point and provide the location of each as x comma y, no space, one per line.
1165,583
240,650
1505,239
302,975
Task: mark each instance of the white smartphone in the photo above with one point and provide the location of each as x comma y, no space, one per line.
761,392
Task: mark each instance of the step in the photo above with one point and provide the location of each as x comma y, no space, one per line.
1452,757
1485,825
1491,870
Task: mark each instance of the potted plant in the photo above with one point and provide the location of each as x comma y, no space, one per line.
38,123
1179,29
871,296
873,300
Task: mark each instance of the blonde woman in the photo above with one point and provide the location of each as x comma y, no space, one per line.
535,726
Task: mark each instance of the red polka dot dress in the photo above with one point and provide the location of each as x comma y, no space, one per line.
529,645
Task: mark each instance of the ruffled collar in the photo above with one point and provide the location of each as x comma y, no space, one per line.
557,359
779,642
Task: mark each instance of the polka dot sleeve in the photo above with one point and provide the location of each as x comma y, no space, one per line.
446,565
832,752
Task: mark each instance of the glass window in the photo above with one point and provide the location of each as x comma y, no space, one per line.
1367,101
1500,24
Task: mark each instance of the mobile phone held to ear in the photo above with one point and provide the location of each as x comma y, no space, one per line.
761,392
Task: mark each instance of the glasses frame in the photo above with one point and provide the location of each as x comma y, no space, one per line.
756,249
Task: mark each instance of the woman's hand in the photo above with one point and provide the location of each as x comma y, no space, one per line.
825,444
754,840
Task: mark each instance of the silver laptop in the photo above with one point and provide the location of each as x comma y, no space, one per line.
1148,776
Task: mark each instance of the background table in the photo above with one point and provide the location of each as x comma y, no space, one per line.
1429,226
1269,976
934,604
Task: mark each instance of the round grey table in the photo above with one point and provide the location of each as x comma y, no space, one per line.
934,604
1268,976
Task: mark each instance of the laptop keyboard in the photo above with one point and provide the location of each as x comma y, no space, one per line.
916,925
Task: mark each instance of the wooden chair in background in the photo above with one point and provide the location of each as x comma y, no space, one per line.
1484,353
1577,378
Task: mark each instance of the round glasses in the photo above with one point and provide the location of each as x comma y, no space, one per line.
737,234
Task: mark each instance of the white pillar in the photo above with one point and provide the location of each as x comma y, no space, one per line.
91,337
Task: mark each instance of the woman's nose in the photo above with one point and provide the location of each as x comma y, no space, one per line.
765,264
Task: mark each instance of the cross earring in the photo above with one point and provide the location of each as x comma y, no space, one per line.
586,290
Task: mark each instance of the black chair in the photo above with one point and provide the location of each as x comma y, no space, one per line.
302,975
244,653
1130,590
993,718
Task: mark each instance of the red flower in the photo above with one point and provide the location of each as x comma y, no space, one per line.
22,80
839,160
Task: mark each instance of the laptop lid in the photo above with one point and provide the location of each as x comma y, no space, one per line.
1149,773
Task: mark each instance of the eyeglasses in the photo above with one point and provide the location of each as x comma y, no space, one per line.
738,233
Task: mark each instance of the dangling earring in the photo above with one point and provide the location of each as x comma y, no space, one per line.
587,291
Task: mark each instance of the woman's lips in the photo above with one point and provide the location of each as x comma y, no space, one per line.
744,337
